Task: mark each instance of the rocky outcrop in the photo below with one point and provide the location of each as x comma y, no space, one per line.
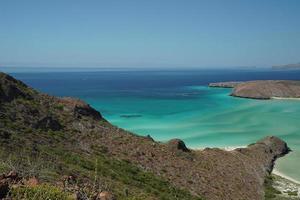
177,144
48,123
262,89
79,108
266,151
11,88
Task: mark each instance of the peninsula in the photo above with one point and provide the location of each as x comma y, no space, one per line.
263,89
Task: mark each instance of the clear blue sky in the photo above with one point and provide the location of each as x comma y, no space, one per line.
149,33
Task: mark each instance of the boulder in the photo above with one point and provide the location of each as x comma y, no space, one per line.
48,123
32,182
150,138
177,144
105,196
80,108
86,110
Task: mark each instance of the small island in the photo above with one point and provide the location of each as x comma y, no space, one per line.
262,89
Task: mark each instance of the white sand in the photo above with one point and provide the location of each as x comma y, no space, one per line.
276,172
231,148
285,98
228,148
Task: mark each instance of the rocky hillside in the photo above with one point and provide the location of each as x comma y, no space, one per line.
263,89
65,143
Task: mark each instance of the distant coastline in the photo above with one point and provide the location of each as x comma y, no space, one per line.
287,67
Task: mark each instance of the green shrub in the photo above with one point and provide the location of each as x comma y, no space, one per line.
270,191
292,193
59,107
40,192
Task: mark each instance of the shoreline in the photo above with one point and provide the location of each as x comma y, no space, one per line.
232,148
226,148
282,175
285,98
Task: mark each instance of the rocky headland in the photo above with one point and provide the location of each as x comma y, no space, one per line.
63,148
263,89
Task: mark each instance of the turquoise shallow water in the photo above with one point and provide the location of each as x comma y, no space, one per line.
214,119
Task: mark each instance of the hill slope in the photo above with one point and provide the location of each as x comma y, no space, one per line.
48,137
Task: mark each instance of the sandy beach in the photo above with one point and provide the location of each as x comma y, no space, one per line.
282,98
278,173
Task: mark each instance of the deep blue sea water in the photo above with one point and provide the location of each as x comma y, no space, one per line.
177,103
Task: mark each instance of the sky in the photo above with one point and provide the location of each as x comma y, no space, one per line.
149,33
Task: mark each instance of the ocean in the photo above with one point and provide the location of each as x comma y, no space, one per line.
170,104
